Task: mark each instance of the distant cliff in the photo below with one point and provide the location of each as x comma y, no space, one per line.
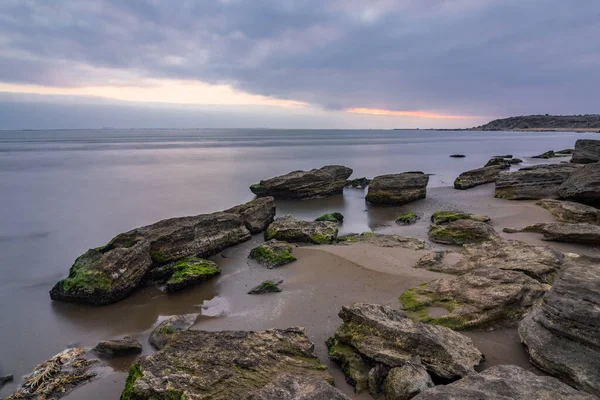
589,122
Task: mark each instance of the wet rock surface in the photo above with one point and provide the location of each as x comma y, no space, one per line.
441,217
177,323
291,387
294,230
405,382
257,214
325,181
586,151
479,176
583,185
407,219
533,183
563,232
266,287
562,334
397,189
385,240
189,271
119,347
461,231
273,253
568,211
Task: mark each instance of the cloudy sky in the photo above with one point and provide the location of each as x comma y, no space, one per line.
294,63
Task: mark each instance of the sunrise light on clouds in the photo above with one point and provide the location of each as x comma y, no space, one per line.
416,114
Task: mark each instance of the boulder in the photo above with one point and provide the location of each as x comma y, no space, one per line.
485,298
397,189
110,273
257,214
331,217
461,231
273,253
57,376
479,176
292,387
583,185
533,183
568,211
586,151
504,382
408,218
189,271
266,287
562,232
562,334
325,181
120,347
407,381
229,365
294,230
163,332
359,183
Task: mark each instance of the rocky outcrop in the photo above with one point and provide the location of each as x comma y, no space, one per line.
397,189
294,230
485,298
562,334
273,253
562,232
257,214
57,376
358,183
543,122
230,365
266,287
119,347
586,151
533,183
163,332
461,231
504,382
479,176
325,181
568,211
583,185
373,340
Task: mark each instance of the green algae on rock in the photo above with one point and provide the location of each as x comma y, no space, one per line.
331,217
266,287
273,253
190,271
358,183
461,231
407,219
293,230
162,333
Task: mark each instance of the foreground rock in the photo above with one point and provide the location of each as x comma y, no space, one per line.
231,365
586,151
561,232
461,231
562,334
294,230
163,332
374,340
273,253
325,181
117,348
257,214
583,185
57,376
568,211
533,183
479,176
385,240
266,287
398,189
504,382
485,298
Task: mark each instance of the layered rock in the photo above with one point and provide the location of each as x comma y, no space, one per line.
294,230
231,365
479,176
504,382
563,232
583,185
533,183
461,231
568,211
398,189
257,214
325,181
562,334
119,347
586,151
273,253
160,335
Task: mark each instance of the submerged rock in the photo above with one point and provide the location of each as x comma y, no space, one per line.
586,151
479,176
257,214
457,156
119,347
294,230
230,365
266,287
331,217
273,253
461,231
498,161
583,185
177,323
397,189
533,183
562,334
408,218
359,183
562,232
325,181
504,382
568,211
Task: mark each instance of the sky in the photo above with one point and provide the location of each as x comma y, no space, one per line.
67,64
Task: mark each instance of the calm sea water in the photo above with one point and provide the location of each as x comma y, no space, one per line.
63,192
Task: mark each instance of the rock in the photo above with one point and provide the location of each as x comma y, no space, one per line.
548,154
293,230
331,217
120,347
457,155
257,214
325,181
533,183
407,381
110,273
586,151
485,298
562,334
568,211
5,379
189,271
514,161
266,287
381,335
386,240
291,387
497,161
408,218
583,185
398,189
431,261
504,382
228,365
562,232
163,332
273,253
509,156
356,369
57,376
564,152
479,176
441,217
359,183
461,232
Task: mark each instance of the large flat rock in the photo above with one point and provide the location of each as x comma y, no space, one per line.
293,230
479,176
568,211
586,151
533,183
563,232
397,189
582,186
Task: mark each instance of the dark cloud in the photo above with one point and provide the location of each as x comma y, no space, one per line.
468,57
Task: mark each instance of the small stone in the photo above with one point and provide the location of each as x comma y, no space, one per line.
117,348
457,155
407,219
331,217
273,253
359,183
266,287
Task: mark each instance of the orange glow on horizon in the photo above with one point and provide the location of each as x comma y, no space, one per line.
417,114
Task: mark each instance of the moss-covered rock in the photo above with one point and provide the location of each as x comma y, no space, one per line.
190,271
497,161
273,253
331,217
355,368
547,154
441,217
266,287
461,231
177,323
407,219
135,372
359,183
293,230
